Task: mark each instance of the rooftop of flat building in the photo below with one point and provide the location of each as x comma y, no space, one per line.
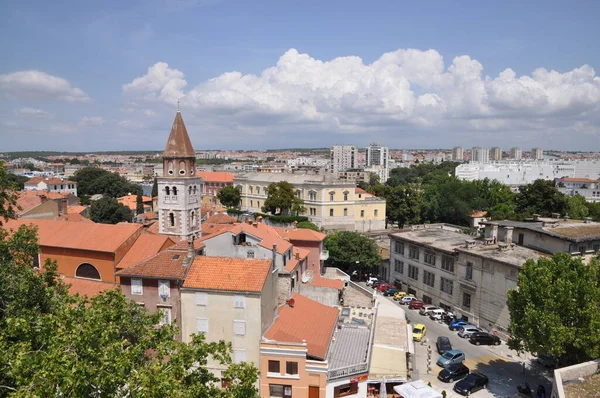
349,346
571,230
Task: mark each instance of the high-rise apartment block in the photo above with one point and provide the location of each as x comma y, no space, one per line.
343,157
537,153
496,153
481,155
458,154
516,153
378,161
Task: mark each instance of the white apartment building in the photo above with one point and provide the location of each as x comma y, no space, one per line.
377,161
585,187
537,154
514,173
343,157
496,153
458,154
516,153
481,155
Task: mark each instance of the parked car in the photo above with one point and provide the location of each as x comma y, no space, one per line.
415,304
453,372
466,331
471,383
391,291
443,344
407,299
484,338
376,283
399,295
371,280
450,357
456,325
419,331
385,286
436,315
426,308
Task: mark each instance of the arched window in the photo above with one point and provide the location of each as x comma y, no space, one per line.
167,191
175,191
257,190
195,189
170,168
190,190
193,216
345,196
182,167
87,270
171,219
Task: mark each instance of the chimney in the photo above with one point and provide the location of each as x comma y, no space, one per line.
191,253
249,221
259,219
505,234
536,217
274,255
295,224
491,231
297,255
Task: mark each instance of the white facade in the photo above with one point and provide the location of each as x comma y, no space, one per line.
516,153
481,155
377,161
51,184
496,153
343,157
537,153
522,173
458,154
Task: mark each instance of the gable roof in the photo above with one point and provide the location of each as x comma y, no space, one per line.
79,235
359,190
27,200
48,181
221,218
167,264
320,281
87,287
303,234
145,246
228,273
215,176
306,320
179,144
574,179
265,233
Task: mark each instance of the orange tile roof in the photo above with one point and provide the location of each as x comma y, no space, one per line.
359,190
145,246
152,228
167,264
291,265
27,200
210,229
149,215
321,281
573,179
221,218
303,234
75,217
228,273
131,200
306,320
215,176
477,214
48,181
267,235
183,245
79,235
87,287
76,209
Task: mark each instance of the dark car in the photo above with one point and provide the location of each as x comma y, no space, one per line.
484,338
443,344
453,372
391,291
471,383
416,304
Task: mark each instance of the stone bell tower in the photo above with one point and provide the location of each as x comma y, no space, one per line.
179,188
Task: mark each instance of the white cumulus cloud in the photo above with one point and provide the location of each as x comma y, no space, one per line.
36,84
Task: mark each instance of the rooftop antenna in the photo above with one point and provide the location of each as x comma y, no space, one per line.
178,106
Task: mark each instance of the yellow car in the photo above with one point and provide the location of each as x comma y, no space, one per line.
399,295
419,331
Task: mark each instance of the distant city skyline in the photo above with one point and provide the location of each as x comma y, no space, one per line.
81,76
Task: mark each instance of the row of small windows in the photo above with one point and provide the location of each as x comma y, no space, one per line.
192,189
182,170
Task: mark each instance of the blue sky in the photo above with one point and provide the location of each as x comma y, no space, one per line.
272,74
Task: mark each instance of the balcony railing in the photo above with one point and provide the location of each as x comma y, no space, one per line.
170,199
347,371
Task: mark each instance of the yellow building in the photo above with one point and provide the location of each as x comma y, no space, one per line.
330,203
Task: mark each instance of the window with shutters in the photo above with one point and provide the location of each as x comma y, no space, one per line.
202,299
291,368
136,286
165,316
164,288
202,325
274,367
239,301
239,328
239,355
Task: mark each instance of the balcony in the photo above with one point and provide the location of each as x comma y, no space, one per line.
324,255
170,199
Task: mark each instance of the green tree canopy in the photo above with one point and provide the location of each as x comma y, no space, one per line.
139,204
542,198
154,188
8,196
94,180
309,225
403,205
555,309
282,199
350,250
108,211
229,196
577,207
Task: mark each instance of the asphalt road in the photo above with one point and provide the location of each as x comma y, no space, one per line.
502,366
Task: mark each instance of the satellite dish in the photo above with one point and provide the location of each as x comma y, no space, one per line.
291,302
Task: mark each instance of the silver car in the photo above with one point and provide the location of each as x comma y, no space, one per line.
466,331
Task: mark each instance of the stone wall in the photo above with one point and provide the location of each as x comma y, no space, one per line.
574,372
357,296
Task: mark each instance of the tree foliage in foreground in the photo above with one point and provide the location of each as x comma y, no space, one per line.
53,344
350,250
556,308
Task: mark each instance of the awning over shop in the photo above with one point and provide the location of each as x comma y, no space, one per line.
417,389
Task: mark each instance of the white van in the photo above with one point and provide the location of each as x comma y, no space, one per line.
436,314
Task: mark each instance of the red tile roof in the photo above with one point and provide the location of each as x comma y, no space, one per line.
302,234
79,235
306,320
167,264
228,273
145,246
291,265
221,218
321,281
178,143
131,200
48,181
359,190
573,179
152,227
267,235
27,200
215,176
478,214
76,209
87,287
209,229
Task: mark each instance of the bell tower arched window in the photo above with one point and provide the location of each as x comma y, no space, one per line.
171,219
87,270
174,191
167,191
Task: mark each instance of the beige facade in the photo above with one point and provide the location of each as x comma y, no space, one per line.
331,204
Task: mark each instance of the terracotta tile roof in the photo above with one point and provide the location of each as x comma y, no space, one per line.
183,245
152,228
167,264
87,287
291,265
145,246
573,179
302,253
221,218
76,209
48,180
228,273
478,214
79,235
303,234
131,200
27,200
215,176
55,195
359,190
306,320
75,217
321,281
149,215
210,229
267,235
179,144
